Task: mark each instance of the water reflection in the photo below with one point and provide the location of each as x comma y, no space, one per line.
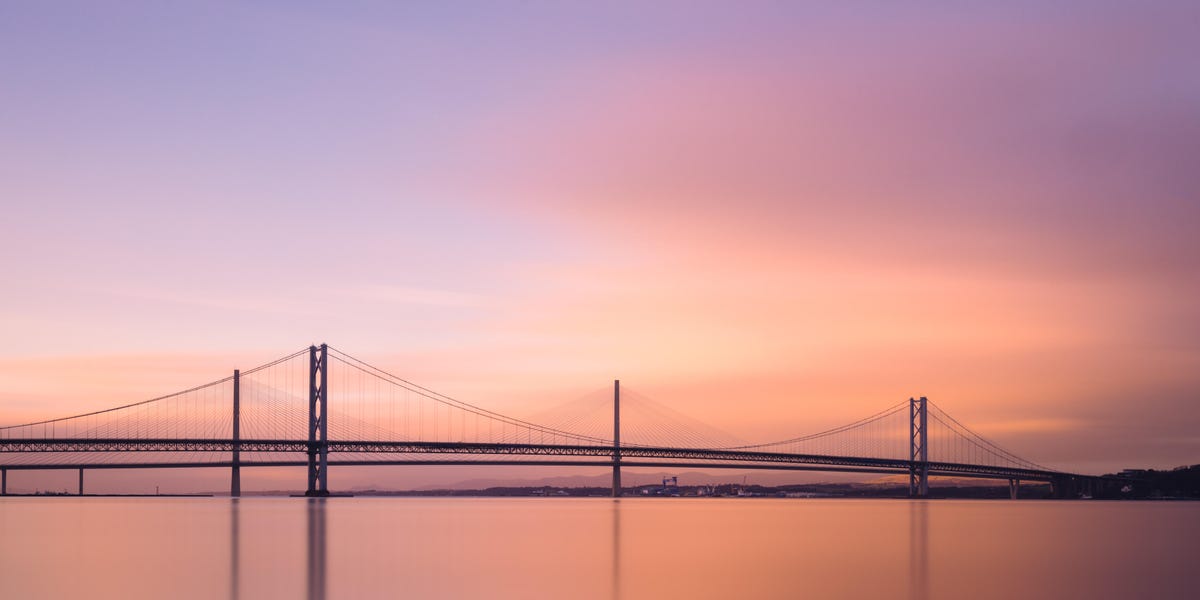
545,548
918,550
316,549
234,544
616,549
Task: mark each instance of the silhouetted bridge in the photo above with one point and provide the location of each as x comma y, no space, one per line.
381,419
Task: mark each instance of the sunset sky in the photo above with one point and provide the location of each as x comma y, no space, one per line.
772,217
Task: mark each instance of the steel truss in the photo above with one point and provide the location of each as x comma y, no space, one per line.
689,455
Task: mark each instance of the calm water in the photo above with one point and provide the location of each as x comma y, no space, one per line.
595,548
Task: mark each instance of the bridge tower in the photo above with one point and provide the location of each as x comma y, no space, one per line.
235,484
318,423
918,437
616,481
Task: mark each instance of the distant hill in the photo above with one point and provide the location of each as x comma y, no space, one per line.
1182,482
633,478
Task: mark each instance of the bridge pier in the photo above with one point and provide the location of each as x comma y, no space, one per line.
616,478
80,482
1014,486
3,482
235,484
1068,487
1058,487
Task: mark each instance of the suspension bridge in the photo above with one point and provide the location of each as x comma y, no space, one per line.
320,407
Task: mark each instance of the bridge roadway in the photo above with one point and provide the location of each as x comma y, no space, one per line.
572,455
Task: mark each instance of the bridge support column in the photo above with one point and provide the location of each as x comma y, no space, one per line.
1014,486
318,423
616,479
3,482
80,482
918,437
1067,487
1062,487
235,484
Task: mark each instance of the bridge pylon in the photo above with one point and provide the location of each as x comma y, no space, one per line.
235,483
918,437
318,422
616,480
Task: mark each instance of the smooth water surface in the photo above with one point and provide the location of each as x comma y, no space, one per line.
338,548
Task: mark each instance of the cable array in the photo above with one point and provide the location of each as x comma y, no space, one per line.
201,412
951,441
369,404
881,435
645,422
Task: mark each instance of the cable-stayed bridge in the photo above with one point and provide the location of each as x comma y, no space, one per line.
320,407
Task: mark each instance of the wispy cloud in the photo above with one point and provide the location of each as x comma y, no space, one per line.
398,294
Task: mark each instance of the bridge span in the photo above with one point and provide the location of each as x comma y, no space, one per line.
386,420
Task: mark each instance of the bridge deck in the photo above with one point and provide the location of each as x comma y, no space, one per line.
569,455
